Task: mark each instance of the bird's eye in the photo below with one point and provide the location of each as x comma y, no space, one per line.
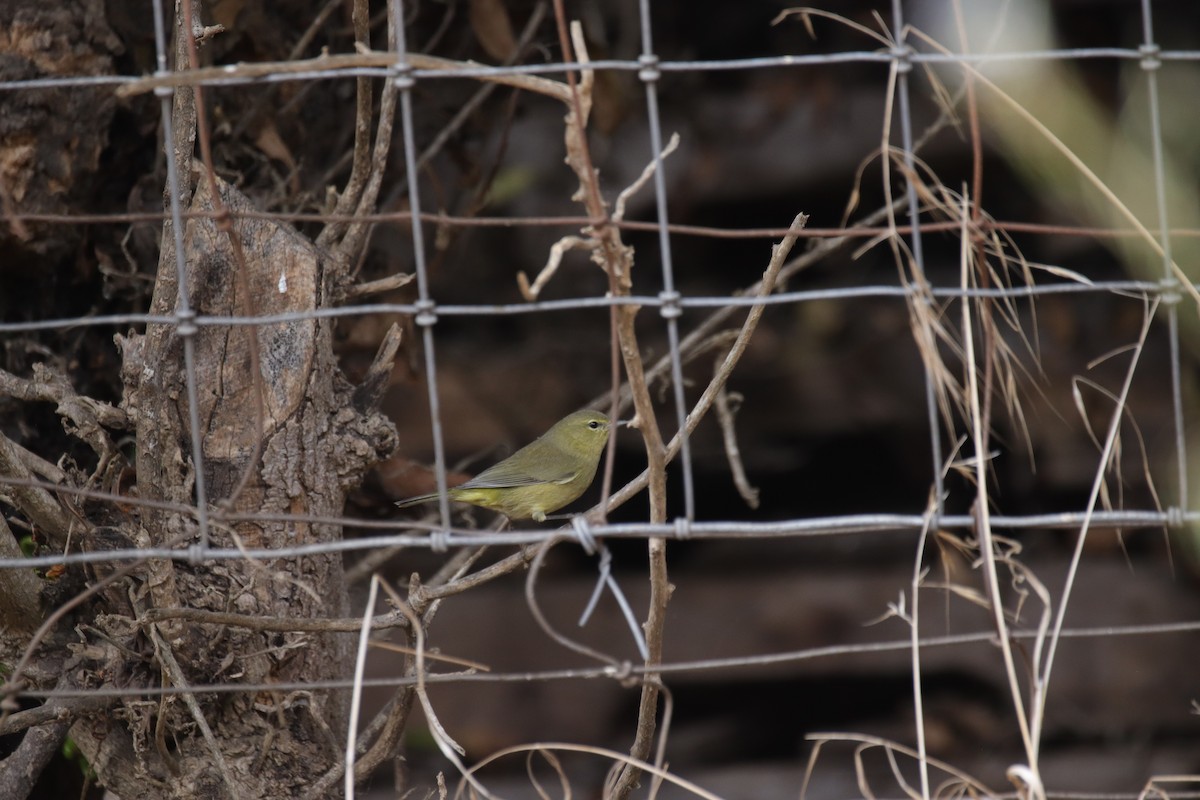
594,425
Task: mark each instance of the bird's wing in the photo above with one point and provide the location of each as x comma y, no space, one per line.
533,471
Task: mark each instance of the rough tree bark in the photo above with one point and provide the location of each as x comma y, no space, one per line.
279,435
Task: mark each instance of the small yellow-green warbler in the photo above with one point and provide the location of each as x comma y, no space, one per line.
541,477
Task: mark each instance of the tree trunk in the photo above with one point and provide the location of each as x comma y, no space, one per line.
278,435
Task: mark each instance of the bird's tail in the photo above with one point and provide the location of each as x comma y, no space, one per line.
413,501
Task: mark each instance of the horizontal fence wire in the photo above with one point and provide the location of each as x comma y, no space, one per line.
627,669
315,72
1167,290
438,537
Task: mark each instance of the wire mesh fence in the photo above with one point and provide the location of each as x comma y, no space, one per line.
206,615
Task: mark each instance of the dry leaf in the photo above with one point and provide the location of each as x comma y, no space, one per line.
272,145
492,27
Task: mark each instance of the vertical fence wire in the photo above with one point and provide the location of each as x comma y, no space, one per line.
902,65
1151,64
426,316
185,317
670,310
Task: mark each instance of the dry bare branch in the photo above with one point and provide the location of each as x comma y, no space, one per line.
20,589
616,259
176,677
968,785
20,770
557,250
381,286
366,58
726,407
647,173
54,522
349,198
763,289
982,511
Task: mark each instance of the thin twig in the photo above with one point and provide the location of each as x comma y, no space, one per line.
387,284
348,200
726,410
763,288
392,619
697,340
982,511
325,64
351,243
616,259
167,658
1042,680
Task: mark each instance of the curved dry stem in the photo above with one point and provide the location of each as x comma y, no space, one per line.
1114,426
982,509
556,765
727,406
449,748
1092,178
763,289
866,742
602,752
535,608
